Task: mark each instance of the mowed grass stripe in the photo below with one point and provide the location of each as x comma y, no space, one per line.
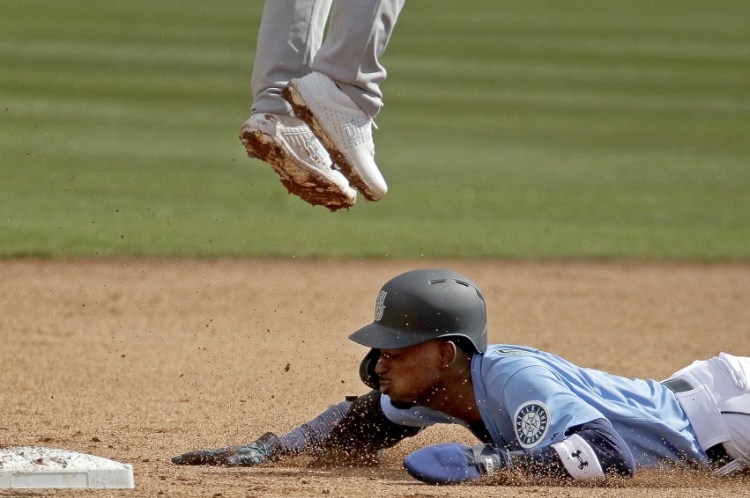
536,130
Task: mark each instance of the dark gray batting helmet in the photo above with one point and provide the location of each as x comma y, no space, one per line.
421,305
418,306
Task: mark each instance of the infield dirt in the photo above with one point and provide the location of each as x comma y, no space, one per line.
140,360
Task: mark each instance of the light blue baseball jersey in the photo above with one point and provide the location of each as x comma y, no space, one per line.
529,398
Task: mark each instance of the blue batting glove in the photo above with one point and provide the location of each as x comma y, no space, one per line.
452,463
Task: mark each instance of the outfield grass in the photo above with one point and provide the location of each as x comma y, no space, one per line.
577,129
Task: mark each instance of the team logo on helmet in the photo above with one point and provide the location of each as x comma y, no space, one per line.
380,305
532,421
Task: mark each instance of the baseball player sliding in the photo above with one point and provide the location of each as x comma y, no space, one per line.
429,363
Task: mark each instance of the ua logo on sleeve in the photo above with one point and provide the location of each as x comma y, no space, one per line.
583,463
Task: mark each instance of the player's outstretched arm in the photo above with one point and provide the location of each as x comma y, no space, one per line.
270,447
591,451
354,431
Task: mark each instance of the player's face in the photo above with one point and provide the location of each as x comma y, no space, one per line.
410,375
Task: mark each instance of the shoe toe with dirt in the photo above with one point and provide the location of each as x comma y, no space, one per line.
304,167
342,127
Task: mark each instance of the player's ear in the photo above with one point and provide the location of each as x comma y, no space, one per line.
448,353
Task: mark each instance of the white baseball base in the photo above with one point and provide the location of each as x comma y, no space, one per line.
38,467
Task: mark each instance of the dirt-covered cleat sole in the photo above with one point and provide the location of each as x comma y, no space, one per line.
343,129
288,145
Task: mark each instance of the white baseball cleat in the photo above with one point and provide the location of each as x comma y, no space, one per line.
296,155
343,129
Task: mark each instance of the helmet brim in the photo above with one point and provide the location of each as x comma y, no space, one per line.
378,336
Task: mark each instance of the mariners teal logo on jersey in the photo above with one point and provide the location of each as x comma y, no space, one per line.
532,421
380,305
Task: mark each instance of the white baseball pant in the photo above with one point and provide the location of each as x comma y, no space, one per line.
716,400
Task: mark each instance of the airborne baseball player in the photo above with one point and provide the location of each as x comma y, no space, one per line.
316,85
429,363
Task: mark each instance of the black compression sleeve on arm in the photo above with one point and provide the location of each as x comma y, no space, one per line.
365,428
356,429
589,451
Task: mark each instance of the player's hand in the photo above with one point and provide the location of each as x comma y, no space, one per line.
256,453
453,463
231,456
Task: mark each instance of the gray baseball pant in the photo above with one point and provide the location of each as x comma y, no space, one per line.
291,43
